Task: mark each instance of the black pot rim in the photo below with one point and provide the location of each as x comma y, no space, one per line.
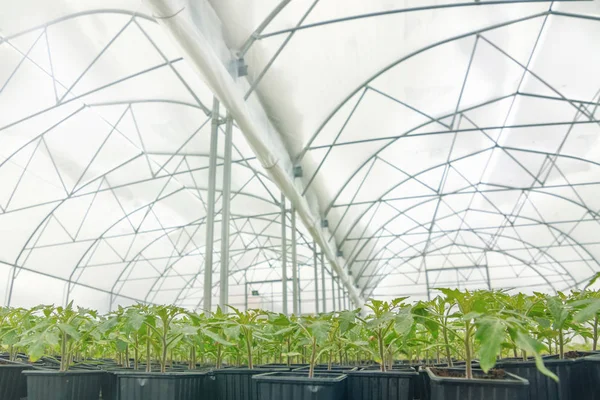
16,366
246,371
62,373
296,377
513,381
158,375
406,373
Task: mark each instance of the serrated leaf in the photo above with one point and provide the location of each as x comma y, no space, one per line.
69,330
216,337
532,346
232,331
588,312
403,322
490,334
121,345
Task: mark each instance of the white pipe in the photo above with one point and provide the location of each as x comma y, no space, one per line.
201,44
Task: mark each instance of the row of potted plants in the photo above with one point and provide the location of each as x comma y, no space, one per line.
161,351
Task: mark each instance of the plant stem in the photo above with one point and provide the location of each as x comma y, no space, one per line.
249,348
63,352
381,355
313,359
595,334
289,349
447,346
561,343
469,368
219,360
148,361
135,353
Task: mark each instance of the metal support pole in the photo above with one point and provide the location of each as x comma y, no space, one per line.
284,256
210,213
333,290
295,290
339,296
316,278
345,295
246,296
226,199
324,292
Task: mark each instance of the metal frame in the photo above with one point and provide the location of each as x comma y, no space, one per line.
255,242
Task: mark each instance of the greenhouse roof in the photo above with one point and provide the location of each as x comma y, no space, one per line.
420,145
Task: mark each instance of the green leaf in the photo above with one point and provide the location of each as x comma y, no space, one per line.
216,337
121,345
532,346
588,312
593,280
232,331
69,330
320,330
490,334
403,323
36,351
134,320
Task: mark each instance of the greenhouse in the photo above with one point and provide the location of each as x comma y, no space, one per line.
373,173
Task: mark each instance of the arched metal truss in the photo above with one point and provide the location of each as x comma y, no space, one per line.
463,153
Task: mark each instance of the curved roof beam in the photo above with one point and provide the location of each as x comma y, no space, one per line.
550,226
399,11
520,260
475,231
424,49
529,189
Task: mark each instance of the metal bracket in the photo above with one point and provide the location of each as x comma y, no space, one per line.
298,173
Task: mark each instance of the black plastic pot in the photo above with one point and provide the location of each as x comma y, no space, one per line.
369,384
298,386
161,386
445,388
13,385
571,373
592,368
69,385
422,387
237,383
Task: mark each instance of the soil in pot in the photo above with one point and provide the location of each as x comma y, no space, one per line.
371,384
13,384
298,386
69,385
450,384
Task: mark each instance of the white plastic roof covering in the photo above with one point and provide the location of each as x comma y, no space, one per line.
447,143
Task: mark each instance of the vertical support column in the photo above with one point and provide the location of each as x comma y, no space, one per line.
284,256
339,295
424,264
324,292
210,217
345,295
226,200
295,290
333,290
487,271
246,295
316,278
